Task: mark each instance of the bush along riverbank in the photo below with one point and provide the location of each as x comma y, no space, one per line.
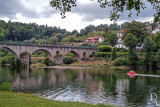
12,99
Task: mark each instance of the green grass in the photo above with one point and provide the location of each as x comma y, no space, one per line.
11,99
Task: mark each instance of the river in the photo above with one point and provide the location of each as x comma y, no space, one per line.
108,86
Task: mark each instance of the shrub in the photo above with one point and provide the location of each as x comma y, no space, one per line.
104,48
5,86
48,62
87,44
17,63
68,60
120,61
113,54
70,54
4,61
140,63
103,54
121,50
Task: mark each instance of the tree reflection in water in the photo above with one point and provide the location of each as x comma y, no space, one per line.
108,86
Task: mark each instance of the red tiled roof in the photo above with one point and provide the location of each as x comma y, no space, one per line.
148,27
121,31
94,37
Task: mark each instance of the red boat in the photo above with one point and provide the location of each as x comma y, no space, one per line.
132,72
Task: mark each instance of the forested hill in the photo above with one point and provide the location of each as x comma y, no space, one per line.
16,31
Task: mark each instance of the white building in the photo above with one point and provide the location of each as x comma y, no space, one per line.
120,41
94,40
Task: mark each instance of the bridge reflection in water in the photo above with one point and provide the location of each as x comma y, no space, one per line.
108,86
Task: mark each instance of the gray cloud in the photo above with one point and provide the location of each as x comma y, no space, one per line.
90,11
93,11
9,8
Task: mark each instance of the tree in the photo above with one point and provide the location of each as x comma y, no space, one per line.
105,48
113,54
137,29
157,58
157,41
71,39
148,47
118,6
58,35
74,32
130,41
53,40
132,58
111,38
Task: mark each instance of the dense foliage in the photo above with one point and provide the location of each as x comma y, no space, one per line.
5,86
120,61
113,54
148,47
111,38
68,60
104,48
16,31
130,41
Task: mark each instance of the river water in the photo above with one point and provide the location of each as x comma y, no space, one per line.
108,86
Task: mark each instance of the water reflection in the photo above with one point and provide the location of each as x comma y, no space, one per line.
108,86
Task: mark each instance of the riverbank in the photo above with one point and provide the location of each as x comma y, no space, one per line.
96,64
12,99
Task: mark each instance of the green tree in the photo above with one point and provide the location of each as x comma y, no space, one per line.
157,41
118,6
130,41
113,54
53,40
72,39
137,29
111,38
157,58
148,47
74,32
132,58
105,48
68,60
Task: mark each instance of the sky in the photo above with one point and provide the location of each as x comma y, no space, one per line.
85,13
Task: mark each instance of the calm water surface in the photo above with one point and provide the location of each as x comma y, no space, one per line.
108,86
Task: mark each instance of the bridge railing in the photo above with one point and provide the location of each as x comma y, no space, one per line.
46,45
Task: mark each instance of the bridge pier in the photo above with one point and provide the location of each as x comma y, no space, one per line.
25,60
58,60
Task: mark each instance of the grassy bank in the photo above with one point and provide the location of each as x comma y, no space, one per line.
11,99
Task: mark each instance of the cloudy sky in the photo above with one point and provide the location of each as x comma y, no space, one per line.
86,13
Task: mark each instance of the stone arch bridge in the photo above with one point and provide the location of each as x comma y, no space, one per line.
22,51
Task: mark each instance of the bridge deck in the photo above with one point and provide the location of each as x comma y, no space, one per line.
48,45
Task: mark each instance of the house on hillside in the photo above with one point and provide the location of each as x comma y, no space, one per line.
120,41
94,40
149,28
120,44
157,29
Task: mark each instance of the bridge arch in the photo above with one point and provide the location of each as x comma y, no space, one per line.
14,53
91,54
24,53
49,54
84,54
76,55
